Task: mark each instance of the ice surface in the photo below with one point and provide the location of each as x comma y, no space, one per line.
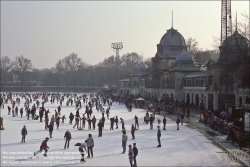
186,147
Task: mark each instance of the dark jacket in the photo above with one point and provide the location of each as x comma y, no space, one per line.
99,125
159,133
116,120
151,120
135,151
178,120
24,131
112,120
164,120
136,119
67,135
182,116
50,127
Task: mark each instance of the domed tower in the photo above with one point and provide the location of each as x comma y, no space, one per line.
141,69
171,51
236,48
171,44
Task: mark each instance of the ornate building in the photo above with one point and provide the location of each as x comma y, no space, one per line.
174,75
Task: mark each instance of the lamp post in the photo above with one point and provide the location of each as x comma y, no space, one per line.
116,48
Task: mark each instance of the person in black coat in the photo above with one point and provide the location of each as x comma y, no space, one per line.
67,136
103,122
24,133
116,122
71,117
164,123
136,122
178,121
50,129
135,153
59,110
21,112
112,120
151,119
89,122
41,114
100,128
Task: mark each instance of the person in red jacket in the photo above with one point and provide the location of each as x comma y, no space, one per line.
63,118
44,147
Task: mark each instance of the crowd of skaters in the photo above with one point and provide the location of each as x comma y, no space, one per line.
91,101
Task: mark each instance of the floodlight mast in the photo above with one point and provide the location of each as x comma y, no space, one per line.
117,46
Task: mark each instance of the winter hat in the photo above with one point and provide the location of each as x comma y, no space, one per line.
47,138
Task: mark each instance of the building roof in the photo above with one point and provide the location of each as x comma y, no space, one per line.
200,74
184,59
126,79
209,62
172,38
172,43
237,46
141,69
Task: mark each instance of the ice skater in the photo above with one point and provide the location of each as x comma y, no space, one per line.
67,136
135,154
124,141
136,122
133,131
44,147
24,133
164,121
130,155
122,122
90,144
159,136
83,146
50,129
177,122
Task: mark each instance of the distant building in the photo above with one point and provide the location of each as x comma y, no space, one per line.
174,75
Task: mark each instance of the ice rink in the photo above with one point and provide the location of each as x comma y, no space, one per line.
185,147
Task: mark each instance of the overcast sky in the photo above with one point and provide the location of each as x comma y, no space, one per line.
47,31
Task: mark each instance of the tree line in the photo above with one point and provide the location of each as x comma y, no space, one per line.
71,71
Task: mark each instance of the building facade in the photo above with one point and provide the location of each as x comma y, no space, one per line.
173,75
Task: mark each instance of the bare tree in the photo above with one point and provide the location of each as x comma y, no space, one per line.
73,64
243,26
21,66
60,72
192,45
5,66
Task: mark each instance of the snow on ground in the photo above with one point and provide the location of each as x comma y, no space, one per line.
186,147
